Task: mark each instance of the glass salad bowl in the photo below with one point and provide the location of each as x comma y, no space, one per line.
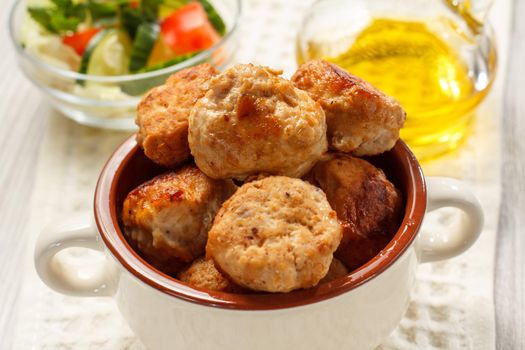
107,101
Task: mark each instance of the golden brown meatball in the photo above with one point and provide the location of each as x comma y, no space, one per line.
361,119
203,274
252,121
368,206
337,269
167,218
275,235
162,115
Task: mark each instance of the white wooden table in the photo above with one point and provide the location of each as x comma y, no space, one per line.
510,261
22,127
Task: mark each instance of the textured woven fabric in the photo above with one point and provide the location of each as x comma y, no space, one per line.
452,304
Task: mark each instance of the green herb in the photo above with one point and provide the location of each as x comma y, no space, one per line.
63,16
43,17
53,20
62,23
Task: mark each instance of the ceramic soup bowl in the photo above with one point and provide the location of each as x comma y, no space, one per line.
353,312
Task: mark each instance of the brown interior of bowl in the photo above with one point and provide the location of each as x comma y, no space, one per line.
128,167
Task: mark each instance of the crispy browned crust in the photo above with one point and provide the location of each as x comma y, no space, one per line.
360,118
162,115
203,274
368,206
253,121
275,235
186,201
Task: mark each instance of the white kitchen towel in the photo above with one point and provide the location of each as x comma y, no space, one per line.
452,305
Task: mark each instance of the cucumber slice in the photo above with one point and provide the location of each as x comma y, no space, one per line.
95,40
147,34
107,54
130,19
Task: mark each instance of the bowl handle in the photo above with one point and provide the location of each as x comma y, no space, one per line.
94,278
447,192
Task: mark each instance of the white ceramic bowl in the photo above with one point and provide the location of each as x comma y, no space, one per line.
353,312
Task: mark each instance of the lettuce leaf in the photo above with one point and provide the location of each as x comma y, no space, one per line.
65,15
54,21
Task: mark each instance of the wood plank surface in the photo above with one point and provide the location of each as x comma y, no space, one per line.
510,254
22,126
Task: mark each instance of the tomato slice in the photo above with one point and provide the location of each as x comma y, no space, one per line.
80,40
188,29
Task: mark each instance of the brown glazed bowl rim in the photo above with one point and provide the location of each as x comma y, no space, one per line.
107,221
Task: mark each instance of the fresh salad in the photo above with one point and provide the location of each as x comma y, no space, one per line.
120,37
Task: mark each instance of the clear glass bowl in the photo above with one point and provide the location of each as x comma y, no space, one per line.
110,101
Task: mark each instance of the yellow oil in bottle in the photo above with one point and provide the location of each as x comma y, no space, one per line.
408,61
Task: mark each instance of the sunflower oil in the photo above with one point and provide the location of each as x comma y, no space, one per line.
408,61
